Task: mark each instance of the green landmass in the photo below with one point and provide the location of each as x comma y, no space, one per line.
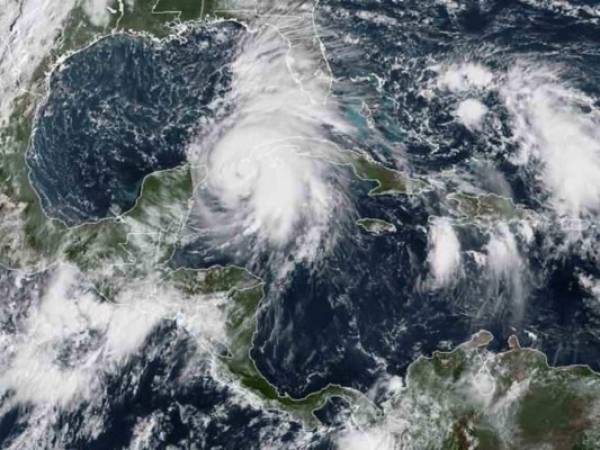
376,226
484,206
468,398
29,240
186,9
245,292
480,207
141,237
156,16
472,398
145,236
141,240
389,181
215,279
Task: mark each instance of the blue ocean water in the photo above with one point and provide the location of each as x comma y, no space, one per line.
364,310
120,109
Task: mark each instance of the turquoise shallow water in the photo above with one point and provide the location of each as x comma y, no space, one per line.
367,308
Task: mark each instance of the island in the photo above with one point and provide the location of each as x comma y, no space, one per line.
376,227
474,398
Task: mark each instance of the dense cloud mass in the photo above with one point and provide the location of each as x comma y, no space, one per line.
266,224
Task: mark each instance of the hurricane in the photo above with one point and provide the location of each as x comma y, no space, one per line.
299,224
271,182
